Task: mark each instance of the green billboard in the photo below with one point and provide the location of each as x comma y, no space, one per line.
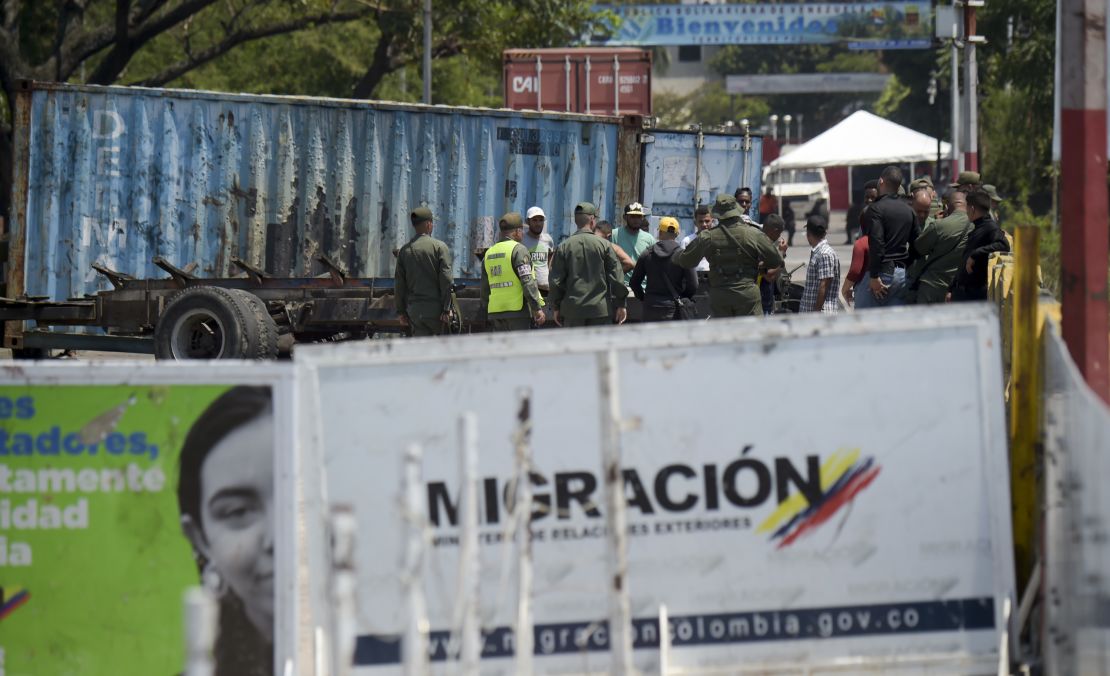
114,499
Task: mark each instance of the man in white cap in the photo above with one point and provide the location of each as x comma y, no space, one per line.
632,238
540,246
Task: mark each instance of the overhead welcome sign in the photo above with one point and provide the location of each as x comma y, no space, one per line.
866,25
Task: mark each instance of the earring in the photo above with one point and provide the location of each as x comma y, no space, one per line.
210,579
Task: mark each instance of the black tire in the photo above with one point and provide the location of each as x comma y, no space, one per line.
205,322
262,332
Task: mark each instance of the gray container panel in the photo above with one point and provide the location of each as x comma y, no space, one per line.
671,170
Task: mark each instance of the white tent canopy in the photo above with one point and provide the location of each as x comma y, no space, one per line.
863,138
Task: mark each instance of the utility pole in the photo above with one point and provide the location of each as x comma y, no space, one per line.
971,84
957,157
428,52
1084,236
932,91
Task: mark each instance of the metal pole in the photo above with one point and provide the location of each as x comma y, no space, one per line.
620,613
414,646
539,84
589,83
1085,238
344,589
522,516
202,616
971,84
428,51
1025,391
566,83
466,609
957,158
616,85
664,641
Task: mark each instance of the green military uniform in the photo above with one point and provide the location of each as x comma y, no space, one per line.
587,283
508,283
734,251
422,280
996,200
940,248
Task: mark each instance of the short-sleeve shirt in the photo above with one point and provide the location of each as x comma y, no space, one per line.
823,264
540,249
633,244
703,265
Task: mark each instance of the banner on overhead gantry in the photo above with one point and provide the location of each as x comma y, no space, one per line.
866,25
803,83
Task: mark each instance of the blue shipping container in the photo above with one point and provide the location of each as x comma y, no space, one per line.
117,176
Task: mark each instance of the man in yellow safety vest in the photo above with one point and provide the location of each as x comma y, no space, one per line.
508,281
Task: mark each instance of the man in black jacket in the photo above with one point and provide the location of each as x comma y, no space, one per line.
665,281
985,238
891,230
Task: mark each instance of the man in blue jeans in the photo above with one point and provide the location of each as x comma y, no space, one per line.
891,230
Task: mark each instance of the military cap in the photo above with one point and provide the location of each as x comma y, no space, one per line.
726,208
992,191
966,177
511,221
920,183
420,215
585,208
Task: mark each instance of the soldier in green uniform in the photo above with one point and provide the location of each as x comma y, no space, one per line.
922,198
507,281
422,280
734,251
940,251
587,282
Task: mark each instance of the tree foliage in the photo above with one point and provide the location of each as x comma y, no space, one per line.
1016,111
709,105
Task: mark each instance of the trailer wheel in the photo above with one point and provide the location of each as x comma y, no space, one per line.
204,322
262,331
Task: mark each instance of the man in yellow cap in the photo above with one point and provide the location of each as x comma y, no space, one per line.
734,251
422,279
668,285
508,282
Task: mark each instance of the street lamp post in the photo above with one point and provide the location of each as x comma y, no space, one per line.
801,136
774,126
786,120
428,52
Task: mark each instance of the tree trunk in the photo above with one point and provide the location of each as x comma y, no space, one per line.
381,65
5,176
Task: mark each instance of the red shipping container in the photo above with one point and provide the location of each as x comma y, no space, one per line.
579,80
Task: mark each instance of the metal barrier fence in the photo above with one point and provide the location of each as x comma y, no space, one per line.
1059,435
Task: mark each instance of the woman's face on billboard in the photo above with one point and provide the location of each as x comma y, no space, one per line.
237,507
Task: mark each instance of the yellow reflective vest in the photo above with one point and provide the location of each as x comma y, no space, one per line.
505,291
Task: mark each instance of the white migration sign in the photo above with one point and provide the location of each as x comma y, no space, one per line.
798,492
